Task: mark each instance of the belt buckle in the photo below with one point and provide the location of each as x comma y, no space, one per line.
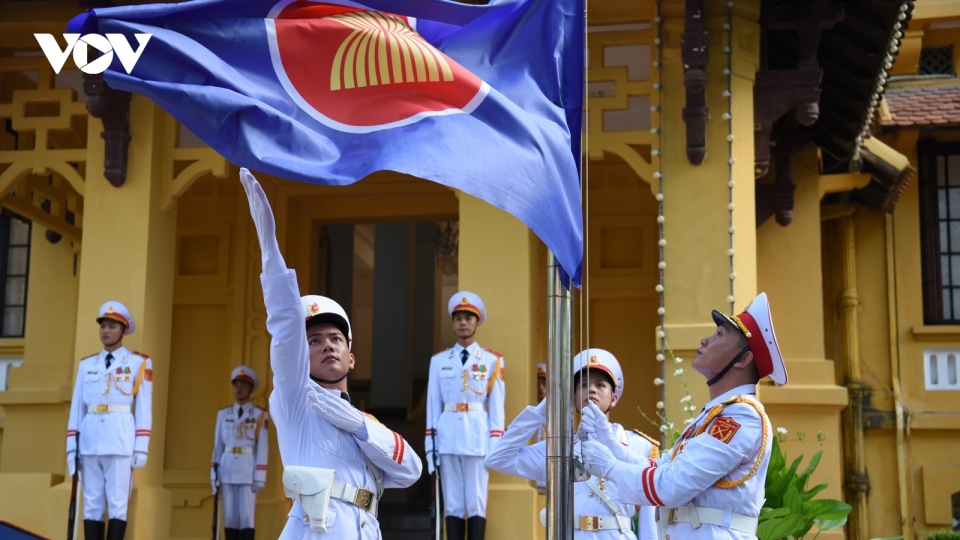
363,499
102,408
671,514
463,407
589,523
236,450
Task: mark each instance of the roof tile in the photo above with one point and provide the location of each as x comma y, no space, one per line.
923,106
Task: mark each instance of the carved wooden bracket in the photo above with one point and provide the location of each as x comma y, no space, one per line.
775,94
777,199
693,47
112,107
779,91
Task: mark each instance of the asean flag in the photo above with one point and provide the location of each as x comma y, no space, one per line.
485,99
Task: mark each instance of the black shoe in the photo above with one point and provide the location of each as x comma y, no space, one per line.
456,528
476,527
231,534
246,534
117,529
92,529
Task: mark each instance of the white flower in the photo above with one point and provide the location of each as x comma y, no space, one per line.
659,404
663,429
670,425
688,421
782,430
686,398
658,381
678,360
679,371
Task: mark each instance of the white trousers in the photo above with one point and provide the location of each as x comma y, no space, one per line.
464,482
239,505
106,484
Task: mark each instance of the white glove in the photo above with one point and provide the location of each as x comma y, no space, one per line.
262,215
595,423
72,462
213,480
430,462
139,459
337,411
597,458
257,486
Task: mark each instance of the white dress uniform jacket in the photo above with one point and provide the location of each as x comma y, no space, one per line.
245,440
476,388
708,466
383,460
511,456
128,386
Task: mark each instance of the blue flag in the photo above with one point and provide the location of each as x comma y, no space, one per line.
485,99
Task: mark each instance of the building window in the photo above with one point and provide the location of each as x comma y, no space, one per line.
14,267
937,61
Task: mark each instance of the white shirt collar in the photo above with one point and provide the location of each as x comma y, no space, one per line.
472,349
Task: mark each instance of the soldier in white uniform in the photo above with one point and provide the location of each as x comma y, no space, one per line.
239,465
600,514
337,460
110,415
464,411
711,485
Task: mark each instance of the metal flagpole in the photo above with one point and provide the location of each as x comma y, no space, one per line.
559,407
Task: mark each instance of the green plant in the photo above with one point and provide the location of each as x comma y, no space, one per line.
790,510
943,534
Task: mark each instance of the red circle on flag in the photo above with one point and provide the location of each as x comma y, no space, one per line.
358,70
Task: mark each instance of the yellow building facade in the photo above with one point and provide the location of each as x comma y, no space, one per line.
175,243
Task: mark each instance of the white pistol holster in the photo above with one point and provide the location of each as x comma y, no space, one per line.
311,486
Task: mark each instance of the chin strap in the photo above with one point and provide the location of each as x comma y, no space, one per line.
736,358
318,380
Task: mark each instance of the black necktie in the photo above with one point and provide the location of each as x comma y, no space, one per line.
464,354
239,412
109,359
346,396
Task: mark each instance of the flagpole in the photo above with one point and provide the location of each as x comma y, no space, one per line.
559,411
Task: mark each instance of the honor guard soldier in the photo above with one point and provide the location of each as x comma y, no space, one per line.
600,514
239,466
109,424
464,411
711,485
337,460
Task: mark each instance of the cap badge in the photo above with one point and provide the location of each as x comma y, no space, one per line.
313,309
595,360
109,309
464,301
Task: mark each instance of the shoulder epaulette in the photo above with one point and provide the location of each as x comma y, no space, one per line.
647,437
370,416
228,407
498,355
90,356
144,355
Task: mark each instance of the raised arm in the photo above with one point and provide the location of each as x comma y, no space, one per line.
289,356
510,455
